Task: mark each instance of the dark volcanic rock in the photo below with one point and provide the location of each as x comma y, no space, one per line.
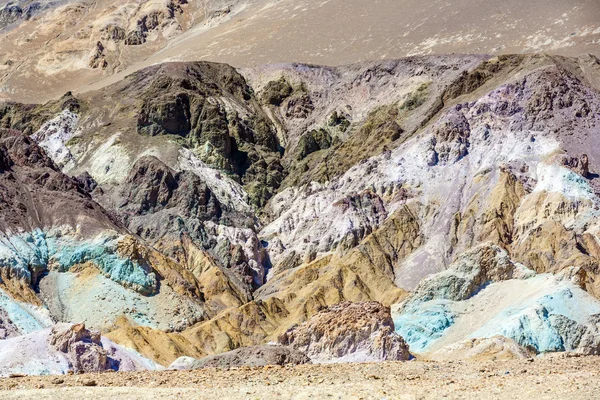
168,207
28,118
152,186
299,106
113,32
276,92
193,101
135,37
180,99
33,191
578,164
149,186
86,182
314,140
97,59
10,14
13,12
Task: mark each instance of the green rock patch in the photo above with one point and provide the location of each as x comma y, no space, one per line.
275,92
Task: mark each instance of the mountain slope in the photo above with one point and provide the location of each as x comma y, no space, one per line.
50,47
215,208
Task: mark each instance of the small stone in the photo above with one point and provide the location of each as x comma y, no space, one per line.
89,382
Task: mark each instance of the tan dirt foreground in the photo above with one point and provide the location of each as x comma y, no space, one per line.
557,377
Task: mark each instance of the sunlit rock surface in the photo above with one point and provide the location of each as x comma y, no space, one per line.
540,313
65,348
358,332
192,209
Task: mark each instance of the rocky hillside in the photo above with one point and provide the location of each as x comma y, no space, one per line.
435,207
49,47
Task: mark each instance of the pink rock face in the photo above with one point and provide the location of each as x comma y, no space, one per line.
82,347
349,332
66,347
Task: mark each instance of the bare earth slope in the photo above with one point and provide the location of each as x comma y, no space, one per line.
51,47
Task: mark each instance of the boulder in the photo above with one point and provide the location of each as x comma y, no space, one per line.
81,346
349,332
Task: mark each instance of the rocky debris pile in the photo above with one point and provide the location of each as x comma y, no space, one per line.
348,332
493,348
253,356
81,347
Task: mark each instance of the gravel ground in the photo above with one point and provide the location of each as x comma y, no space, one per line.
541,378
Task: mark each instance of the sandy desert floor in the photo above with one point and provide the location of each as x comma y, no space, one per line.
324,32
557,377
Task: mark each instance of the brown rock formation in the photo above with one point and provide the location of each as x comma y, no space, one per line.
579,165
349,332
82,347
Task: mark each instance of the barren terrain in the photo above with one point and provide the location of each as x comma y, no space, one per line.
551,377
189,224
86,45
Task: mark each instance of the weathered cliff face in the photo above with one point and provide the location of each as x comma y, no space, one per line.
502,310
61,249
196,209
